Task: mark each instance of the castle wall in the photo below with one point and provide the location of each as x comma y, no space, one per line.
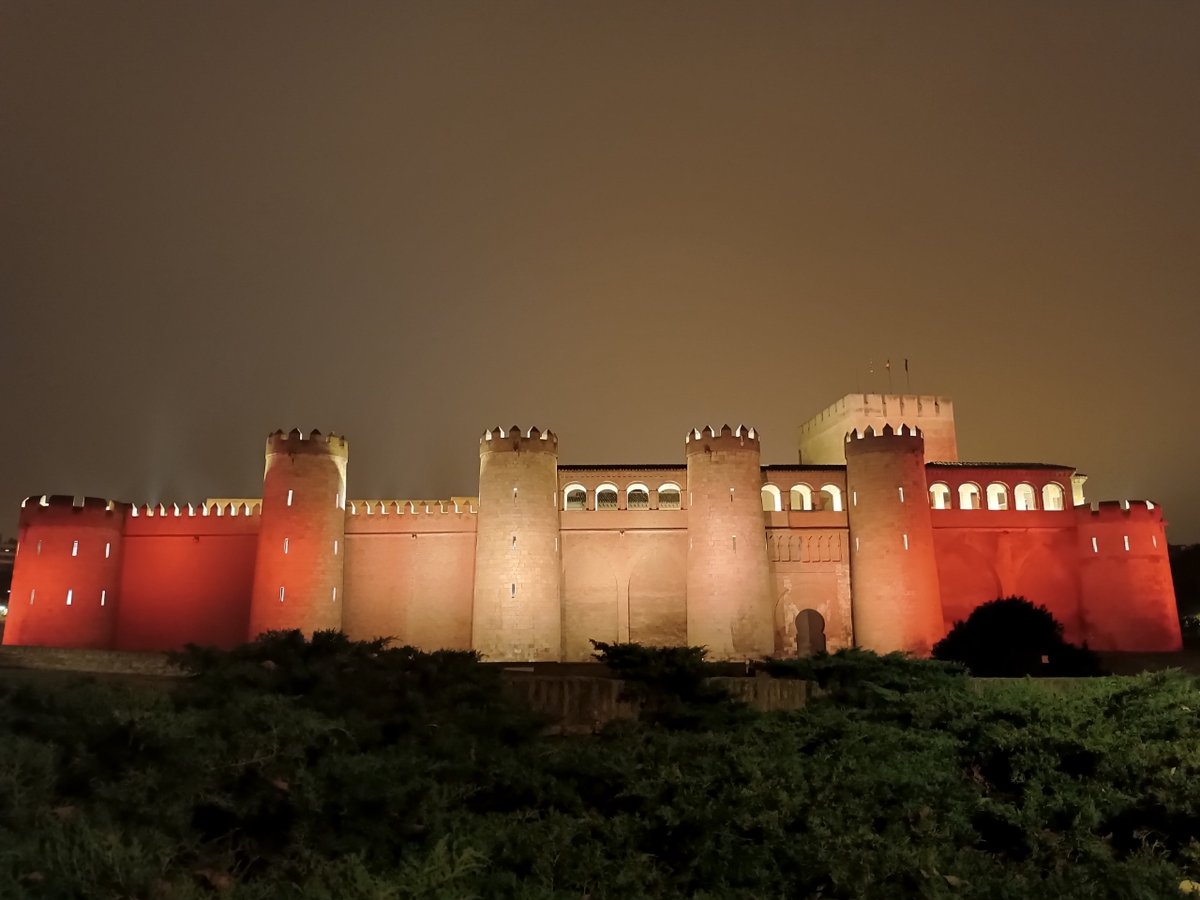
1125,575
821,437
186,579
410,575
986,554
810,570
624,578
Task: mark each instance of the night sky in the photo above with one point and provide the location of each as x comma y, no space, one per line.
406,222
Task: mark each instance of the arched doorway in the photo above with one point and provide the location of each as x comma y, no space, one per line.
810,633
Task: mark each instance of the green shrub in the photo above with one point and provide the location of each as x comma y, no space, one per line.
1012,637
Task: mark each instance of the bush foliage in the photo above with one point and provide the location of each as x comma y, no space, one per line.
338,769
1012,637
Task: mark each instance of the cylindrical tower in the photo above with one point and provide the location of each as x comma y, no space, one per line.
730,607
66,574
518,568
895,600
301,540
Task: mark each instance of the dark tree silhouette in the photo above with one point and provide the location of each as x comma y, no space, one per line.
1012,637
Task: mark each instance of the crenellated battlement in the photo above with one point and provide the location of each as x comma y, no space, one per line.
460,505
924,405
209,508
500,439
869,433
1120,511
295,441
51,509
702,440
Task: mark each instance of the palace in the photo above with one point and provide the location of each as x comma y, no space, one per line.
878,537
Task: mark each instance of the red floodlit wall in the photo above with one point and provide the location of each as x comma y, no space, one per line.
409,573
186,578
986,554
1128,594
66,573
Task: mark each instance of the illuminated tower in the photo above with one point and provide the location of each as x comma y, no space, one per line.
895,600
518,568
65,578
730,607
301,541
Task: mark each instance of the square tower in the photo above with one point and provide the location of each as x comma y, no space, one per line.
821,439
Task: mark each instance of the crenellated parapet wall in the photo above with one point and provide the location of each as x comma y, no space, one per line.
1125,574
456,514
513,439
820,438
296,441
66,573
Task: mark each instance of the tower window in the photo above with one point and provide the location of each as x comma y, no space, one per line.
335,547
285,546
281,593
75,548
1126,543
290,493
901,494
39,548
512,589
905,538
32,594
1095,546
334,595
103,595
107,550
70,596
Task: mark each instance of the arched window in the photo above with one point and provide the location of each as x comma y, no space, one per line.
771,500
1052,496
574,497
1025,497
668,496
968,496
939,496
831,497
606,496
997,495
637,496
801,497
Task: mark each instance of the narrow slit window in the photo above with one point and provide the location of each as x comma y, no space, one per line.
290,494
1154,541
512,589
32,594
39,548
107,550
335,595
285,546
281,593
901,494
856,543
103,596
335,547
733,538
514,542
1126,543
1095,546
905,541
75,548
70,596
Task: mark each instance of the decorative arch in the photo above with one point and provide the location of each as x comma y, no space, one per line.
939,496
997,495
574,497
637,496
968,496
606,496
832,497
771,499
669,496
1025,497
1052,496
801,497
